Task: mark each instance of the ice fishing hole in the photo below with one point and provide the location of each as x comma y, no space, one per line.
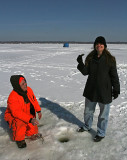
64,139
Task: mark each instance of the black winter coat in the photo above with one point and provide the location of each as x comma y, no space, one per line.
102,79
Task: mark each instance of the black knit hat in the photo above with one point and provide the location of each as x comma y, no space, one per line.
100,40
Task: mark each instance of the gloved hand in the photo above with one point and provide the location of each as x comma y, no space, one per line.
114,95
79,58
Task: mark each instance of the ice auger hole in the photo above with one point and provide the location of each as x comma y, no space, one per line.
63,139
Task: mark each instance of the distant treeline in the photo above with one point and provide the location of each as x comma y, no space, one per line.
54,42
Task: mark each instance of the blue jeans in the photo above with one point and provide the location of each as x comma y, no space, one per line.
102,118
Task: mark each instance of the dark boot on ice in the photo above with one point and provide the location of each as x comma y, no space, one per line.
21,144
97,138
81,129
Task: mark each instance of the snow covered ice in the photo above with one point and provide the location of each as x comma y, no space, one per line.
51,71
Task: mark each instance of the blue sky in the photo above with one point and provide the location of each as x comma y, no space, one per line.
65,20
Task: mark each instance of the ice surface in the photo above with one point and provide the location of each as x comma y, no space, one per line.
51,71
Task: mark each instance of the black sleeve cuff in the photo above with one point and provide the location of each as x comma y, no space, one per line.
30,120
38,111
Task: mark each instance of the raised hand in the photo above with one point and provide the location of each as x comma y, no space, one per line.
79,58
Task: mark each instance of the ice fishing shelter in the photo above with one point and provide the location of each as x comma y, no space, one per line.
66,45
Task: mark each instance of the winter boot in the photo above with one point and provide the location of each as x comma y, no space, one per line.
81,129
97,138
21,144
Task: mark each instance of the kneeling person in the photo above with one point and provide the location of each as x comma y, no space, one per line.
20,114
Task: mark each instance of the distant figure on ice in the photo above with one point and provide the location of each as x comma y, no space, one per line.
21,111
101,87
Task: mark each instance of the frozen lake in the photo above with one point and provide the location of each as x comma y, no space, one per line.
51,71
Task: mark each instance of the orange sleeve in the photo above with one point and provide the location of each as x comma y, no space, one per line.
16,110
8,117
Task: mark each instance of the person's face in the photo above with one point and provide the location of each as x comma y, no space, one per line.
23,85
99,47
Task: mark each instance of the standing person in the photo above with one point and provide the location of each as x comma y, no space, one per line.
101,87
21,111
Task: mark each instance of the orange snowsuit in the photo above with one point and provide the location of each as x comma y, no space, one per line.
18,114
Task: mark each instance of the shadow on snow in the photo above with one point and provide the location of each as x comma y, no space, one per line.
3,123
60,112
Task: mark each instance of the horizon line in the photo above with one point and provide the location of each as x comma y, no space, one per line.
80,42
